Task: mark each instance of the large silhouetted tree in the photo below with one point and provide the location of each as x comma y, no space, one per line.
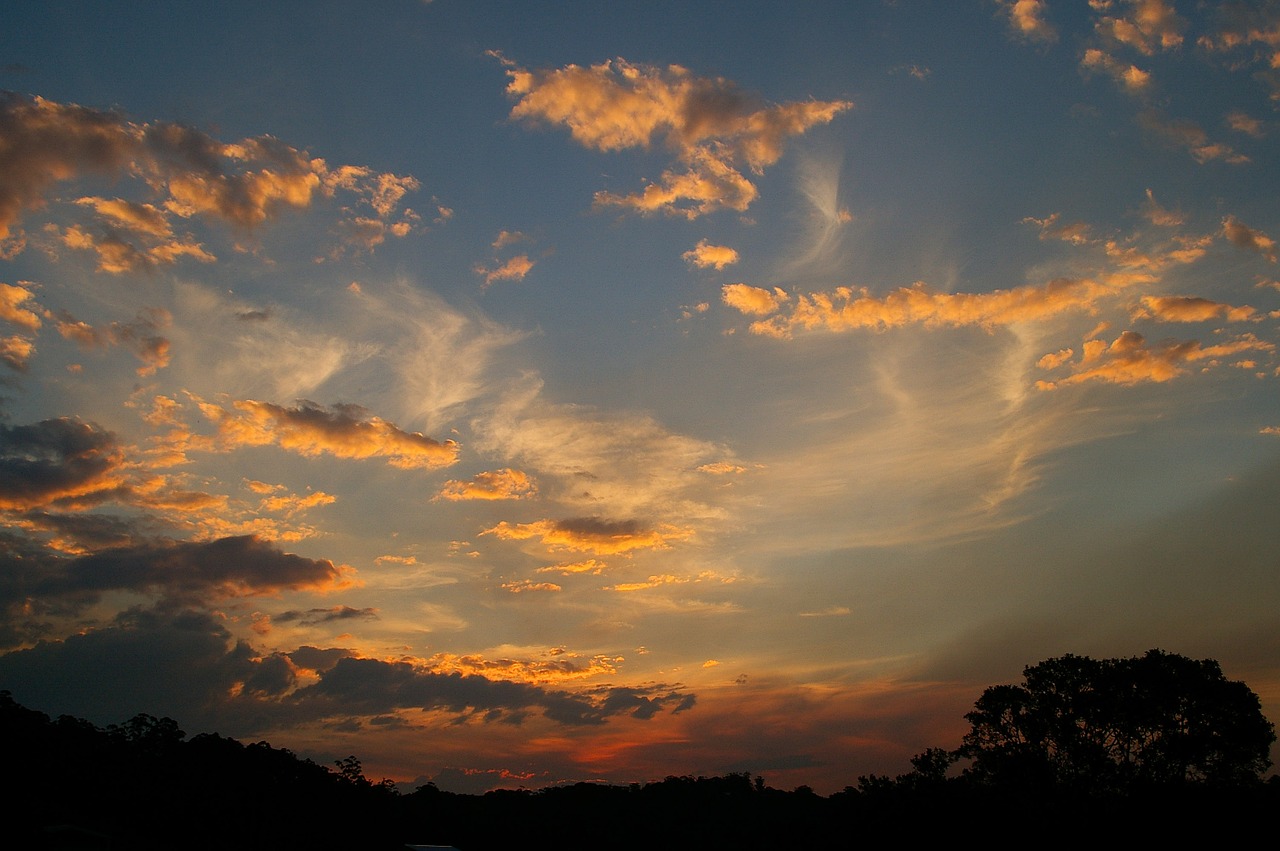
1117,724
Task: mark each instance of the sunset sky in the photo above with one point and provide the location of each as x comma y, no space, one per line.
518,393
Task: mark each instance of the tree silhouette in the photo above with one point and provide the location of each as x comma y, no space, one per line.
1118,724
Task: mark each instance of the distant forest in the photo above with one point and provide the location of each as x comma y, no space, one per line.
1047,765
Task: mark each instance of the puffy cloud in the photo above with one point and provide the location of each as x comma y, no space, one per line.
753,300
513,269
46,142
1130,76
139,336
15,352
344,431
591,534
497,484
12,299
1242,236
1150,25
1242,122
711,126
55,461
1130,359
705,256
1027,17
186,171
1189,309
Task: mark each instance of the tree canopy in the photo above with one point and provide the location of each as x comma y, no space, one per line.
1116,724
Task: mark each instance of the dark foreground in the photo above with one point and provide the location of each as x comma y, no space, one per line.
145,785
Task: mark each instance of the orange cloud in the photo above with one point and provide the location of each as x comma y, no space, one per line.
188,172
1129,359
344,431
1189,309
592,566
15,352
846,308
497,484
1027,17
512,270
590,534
12,299
705,255
709,125
1131,77
1149,26
520,586
753,300
1189,135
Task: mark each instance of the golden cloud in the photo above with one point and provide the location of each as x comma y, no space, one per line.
1189,309
1150,25
709,125
704,255
590,534
753,300
1129,359
1027,17
1129,76
513,269
11,310
497,484
344,431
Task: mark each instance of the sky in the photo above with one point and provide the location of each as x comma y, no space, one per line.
512,394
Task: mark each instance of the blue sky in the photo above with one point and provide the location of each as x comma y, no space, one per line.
515,395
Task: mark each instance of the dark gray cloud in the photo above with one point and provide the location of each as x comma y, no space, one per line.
311,617
178,573
54,461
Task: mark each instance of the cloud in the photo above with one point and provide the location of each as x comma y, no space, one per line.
1129,76
1242,122
753,300
706,256
1027,17
314,617
1189,135
1189,309
1150,25
513,269
56,461
186,173
846,309
591,534
1158,215
1076,233
139,336
1130,359
711,127
1242,236
344,431
12,310
520,586
178,572
497,484
369,687
591,566
15,352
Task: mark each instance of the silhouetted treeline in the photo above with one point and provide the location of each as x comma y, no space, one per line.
145,785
